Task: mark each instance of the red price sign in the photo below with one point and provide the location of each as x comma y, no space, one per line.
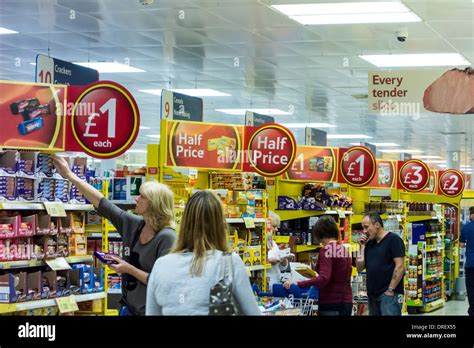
357,166
271,149
413,175
451,183
105,120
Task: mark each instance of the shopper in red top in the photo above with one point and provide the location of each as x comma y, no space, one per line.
334,268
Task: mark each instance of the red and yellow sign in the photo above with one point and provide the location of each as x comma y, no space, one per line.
313,164
269,149
356,166
32,116
385,176
451,183
203,145
104,119
413,175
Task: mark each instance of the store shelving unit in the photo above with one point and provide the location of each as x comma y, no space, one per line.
39,263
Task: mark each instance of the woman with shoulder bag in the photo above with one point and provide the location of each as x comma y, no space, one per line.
191,279
334,268
146,236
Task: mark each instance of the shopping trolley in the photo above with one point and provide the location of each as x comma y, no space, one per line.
292,301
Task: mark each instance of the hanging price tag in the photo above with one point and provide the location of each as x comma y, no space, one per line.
58,264
341,214
249,222
5,265
55,209
399,218
67,304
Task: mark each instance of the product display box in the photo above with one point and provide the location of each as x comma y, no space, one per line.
8,188
9,162
9,227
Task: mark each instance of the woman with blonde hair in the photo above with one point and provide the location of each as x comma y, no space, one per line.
146,236
180,282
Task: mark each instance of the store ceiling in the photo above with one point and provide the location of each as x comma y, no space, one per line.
282,64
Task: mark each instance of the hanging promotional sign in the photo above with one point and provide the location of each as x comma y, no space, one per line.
313,164
410,93
385,175
177,106
413,175
356,166
57,71
104,119
269,150
33,116
451,183
256,120
202,145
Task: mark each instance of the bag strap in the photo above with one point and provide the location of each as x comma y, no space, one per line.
226,268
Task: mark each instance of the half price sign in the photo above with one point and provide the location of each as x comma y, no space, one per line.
357,166
451,183
413,175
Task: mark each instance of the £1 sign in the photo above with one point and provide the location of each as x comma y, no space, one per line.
357,166
451,183
413,175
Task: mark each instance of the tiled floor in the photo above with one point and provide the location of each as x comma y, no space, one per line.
451,307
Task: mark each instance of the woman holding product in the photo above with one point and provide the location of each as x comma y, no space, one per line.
334,268
181,282
146,236
275,256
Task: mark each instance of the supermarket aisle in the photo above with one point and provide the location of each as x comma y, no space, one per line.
452,308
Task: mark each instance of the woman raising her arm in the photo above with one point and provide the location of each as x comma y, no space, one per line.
146,236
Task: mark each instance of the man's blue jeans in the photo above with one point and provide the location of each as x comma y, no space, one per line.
386,305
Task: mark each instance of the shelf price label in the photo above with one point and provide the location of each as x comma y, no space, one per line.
413,175
357,166
55,209
451,183
67,304
249,222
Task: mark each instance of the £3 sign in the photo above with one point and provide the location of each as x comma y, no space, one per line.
413,175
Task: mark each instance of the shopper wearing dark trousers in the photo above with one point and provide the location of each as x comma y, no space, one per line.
467,241
334,268
382,255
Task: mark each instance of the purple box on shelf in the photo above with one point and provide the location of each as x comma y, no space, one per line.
310,203
287,203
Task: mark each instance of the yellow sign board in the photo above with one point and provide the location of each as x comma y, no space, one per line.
249,222
55,209
67,304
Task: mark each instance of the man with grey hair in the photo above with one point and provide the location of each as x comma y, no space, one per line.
382,255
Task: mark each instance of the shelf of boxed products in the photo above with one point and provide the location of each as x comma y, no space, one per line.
241,220
40,206
24,306
38,263
299,214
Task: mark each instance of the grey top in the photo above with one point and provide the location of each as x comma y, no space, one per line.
142,256
172,290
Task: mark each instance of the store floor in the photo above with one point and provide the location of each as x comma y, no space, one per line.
451,308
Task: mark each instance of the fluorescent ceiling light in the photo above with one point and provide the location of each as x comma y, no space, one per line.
136,151
143,127
348,136
110,67
424,59
428,156
435,161
349,13
157,136
7,31
194,92
304,125
379,144
401,151
241,112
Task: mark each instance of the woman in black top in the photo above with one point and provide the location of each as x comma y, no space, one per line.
146,236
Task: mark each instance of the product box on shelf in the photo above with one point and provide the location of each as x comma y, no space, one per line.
7,188
7,249
77,245
7,288
120,188
87,275
62,279
50,245
135,184
61,190
45,166
9,162
26,189
46,225
21,286
93,218
247,256
27,164
288,203
76,281
75,197
256,251
46,190
24,247
50,285
63,245
27,226
9,227
34,285
78,223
